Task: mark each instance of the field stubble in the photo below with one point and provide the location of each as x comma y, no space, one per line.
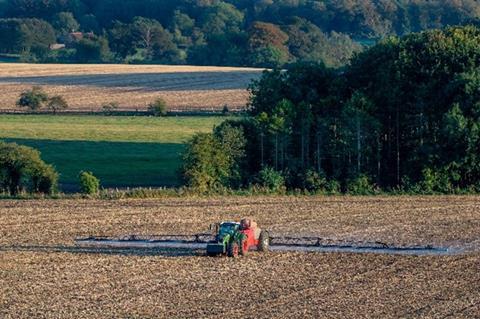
38,279
87,87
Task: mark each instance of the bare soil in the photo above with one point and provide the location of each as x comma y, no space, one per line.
43,274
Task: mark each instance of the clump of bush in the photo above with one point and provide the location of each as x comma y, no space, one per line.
225,110
57,103
212,161
89,184
36,98
22,169
205,166
158,107
33,99
315,182
436,181
109,108
333,187
361,186
271,180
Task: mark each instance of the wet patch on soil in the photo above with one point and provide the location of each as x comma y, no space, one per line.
375,248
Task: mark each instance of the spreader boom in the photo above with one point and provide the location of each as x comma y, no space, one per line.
279,244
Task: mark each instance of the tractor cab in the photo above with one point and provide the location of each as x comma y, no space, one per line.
226,228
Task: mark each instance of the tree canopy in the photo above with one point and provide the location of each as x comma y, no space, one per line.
22,169
404,115
228,32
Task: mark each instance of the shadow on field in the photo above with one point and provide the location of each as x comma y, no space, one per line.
164,252
116,164
173,81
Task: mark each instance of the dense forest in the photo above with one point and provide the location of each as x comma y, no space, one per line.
403,115
264,33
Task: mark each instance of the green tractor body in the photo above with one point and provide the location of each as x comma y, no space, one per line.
226,233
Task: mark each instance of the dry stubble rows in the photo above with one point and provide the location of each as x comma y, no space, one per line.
87,87
43,275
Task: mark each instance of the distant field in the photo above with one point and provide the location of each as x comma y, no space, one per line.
121,151
87,87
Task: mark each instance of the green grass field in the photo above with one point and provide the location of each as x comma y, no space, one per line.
122,151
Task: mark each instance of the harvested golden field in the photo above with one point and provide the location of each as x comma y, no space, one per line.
44,275
86,87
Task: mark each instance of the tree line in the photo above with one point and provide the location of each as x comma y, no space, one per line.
213,32
404,115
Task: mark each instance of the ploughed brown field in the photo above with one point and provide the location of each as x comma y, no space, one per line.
87,87
43,274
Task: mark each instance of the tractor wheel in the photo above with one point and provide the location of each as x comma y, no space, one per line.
243,247
233,249
263,241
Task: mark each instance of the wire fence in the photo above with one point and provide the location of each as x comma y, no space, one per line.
128,112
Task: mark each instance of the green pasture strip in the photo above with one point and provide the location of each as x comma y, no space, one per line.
121,151
105,128
117,164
